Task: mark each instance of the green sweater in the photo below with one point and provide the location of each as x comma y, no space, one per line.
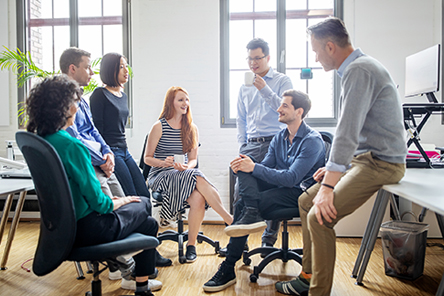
86,192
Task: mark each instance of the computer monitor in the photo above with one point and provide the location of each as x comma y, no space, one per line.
422,73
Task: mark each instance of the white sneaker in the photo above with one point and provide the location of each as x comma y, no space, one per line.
115,275
154,285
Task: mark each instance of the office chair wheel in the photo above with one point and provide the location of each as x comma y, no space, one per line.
199,241
88,293
182,259
253,278
247,262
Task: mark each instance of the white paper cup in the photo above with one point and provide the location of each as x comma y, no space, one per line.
249,78
179,158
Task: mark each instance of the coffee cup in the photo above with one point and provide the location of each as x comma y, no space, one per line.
249,78
179,158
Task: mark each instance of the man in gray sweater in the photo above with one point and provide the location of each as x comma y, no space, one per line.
368,152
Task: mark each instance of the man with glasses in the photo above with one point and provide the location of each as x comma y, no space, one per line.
257,116
295,153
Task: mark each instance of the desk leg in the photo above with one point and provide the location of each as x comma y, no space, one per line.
383,197
440,220
15,220
366,236
5,216
440,291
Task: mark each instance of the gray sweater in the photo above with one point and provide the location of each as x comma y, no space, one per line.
371,115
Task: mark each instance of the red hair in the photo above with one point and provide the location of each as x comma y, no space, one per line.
188,132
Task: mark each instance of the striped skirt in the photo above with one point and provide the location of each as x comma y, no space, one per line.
175,187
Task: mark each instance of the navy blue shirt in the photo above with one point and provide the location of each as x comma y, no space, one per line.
287,164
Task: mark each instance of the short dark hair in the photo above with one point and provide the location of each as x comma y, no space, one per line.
48,104
110,67
299,100
259,43
72,56
331,29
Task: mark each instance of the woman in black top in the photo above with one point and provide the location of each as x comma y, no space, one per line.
109,108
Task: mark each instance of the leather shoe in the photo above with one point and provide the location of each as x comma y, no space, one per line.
162,261
263,255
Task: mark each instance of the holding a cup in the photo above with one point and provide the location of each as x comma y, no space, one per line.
179,158
249,78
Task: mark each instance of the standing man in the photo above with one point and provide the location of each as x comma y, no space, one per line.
257,116
76,63
295,153
368,151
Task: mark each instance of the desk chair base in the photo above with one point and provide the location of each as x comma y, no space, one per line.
273,253
180,236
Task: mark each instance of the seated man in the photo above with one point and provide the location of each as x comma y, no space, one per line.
76,64
295,153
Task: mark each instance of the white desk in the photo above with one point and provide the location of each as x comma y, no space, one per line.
10,187
421,186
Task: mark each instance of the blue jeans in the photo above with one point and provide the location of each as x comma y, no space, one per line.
128,173
269,198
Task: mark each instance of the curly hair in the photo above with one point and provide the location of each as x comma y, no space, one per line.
188,133
48,104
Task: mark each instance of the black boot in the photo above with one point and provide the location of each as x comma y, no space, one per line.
249,222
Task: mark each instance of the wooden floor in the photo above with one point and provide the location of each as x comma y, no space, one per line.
188,279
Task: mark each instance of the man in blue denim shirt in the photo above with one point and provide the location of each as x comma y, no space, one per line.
257,117
294,154
76,63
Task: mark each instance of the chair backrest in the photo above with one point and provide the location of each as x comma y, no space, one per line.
57,215
328,140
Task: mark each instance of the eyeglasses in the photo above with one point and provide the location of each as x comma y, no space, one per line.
255,59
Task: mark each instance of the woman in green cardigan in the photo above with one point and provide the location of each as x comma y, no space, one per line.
51,108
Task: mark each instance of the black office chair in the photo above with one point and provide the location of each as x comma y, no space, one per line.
58,220
180,236
284,215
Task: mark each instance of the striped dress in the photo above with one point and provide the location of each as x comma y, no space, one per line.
175,186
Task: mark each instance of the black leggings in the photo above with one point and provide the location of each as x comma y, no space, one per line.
133,217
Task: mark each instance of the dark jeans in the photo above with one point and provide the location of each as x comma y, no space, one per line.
269,198
128,173
133,217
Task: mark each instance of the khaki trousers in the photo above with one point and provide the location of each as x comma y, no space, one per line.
365,177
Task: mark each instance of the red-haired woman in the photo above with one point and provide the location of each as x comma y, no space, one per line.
176,134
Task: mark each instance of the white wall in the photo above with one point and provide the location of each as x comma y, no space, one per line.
176,42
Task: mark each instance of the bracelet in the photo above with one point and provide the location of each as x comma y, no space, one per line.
328,186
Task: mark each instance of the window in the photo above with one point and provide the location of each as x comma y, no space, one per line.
47,27
282,24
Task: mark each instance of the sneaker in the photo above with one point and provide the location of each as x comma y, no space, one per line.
154,285
190,254
298,286
162,261
117,275
249,222
122,264
223,278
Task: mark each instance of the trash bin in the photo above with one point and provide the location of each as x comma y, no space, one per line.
403,247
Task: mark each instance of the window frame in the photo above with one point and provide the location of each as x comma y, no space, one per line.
225,120
21,6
